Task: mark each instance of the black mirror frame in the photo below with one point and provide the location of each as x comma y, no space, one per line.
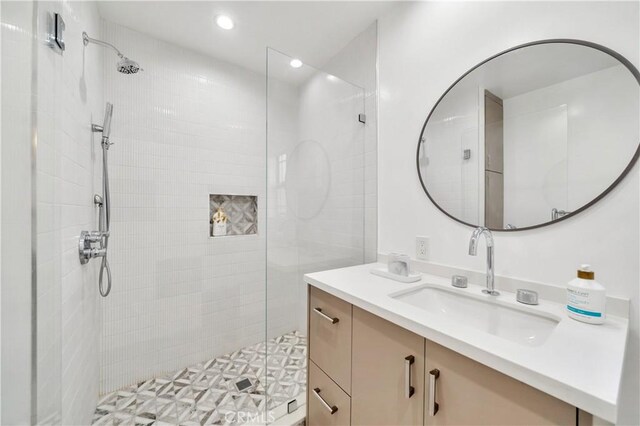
625,172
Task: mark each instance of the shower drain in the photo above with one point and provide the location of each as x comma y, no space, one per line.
243,384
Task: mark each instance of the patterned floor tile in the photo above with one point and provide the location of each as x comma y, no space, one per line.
206,393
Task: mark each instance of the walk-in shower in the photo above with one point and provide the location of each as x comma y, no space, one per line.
197,328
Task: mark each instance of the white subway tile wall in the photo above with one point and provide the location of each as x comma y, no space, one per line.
185,127
69,91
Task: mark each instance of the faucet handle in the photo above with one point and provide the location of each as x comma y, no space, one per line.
459,281
528,297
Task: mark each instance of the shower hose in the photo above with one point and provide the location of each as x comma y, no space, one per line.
105,222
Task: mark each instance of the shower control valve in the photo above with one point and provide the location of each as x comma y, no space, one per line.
91,245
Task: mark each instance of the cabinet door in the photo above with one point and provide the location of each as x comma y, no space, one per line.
470,393
386,361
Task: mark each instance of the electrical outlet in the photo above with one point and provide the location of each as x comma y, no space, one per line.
422,248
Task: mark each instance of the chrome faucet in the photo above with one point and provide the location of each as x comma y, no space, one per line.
473,248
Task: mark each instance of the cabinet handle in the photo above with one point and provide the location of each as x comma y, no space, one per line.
330,408
433,405
408,362
325,316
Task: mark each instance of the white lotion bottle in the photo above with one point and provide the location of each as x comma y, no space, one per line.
586,298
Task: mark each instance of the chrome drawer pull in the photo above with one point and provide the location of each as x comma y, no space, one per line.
330,408
408,362
433,405
325,316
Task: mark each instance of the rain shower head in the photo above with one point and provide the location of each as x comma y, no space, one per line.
125,65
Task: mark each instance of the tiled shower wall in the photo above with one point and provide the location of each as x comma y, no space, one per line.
185,127
69,99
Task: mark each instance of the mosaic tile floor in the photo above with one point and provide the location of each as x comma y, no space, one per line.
206,393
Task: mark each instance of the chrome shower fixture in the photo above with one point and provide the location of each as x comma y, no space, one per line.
94,244
125,65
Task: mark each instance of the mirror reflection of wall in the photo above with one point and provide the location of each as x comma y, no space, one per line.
531,136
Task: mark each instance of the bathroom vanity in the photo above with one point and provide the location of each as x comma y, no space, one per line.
384,352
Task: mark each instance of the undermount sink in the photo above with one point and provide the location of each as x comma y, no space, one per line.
483,314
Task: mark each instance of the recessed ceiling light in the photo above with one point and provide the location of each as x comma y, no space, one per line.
331,77
224,22
295,63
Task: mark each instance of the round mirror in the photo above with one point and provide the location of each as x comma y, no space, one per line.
532,135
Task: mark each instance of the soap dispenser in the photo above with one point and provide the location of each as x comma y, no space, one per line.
586,298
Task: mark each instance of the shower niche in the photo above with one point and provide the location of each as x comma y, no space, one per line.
232,215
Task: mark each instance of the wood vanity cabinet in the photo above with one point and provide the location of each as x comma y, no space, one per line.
369,371
470,393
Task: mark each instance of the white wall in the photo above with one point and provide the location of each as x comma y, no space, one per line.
535,164
69,100
185,127
357,63
589,134
424,47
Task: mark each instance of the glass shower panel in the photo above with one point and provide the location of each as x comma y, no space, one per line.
315,206
18,228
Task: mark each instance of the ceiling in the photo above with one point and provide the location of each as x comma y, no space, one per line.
312,31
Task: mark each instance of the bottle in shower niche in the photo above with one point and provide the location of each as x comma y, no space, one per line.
586,298
219,220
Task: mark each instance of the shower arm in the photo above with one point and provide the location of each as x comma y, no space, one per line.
86,40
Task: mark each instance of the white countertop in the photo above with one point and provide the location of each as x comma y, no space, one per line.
579,363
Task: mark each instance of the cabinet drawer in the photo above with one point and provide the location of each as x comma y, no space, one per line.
468,392
330,336
327,403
